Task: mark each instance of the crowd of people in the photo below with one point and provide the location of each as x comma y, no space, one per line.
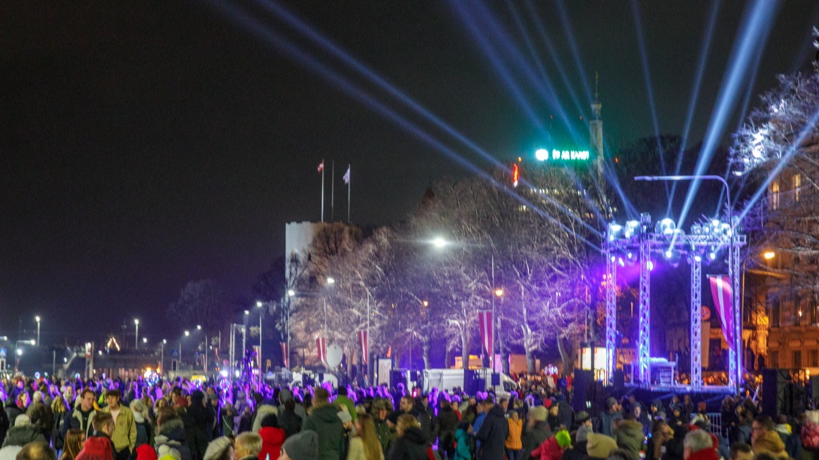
105,419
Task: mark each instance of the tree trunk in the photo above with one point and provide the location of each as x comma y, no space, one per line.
426,349
465,348
565,355
504,351
447,356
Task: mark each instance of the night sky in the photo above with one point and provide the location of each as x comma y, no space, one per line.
146,144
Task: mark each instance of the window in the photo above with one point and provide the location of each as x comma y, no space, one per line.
775,195
796,181
813,356
797,358
775,310
774,355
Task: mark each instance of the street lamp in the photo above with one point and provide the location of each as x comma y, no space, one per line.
136,336
768,255
259,304
37,318
499,292
162,355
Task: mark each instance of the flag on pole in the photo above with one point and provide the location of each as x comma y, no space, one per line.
364,341
721,292
347,176
321,346
487,337
285,355
321,166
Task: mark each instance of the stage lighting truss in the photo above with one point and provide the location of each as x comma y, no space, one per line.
634,242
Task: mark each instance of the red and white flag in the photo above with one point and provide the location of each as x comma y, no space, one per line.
487,336
721,293
321,166
321,346
364,342
285,355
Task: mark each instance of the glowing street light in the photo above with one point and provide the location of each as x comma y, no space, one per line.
187,333
439,242
37,318
768,255
331,280
136,336
291,293
499,292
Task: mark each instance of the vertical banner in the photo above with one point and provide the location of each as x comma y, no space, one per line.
285,355
257,357
721,292
487,336
364,342
321,347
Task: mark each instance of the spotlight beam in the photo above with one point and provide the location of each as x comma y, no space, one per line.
753,32
695,94
273,39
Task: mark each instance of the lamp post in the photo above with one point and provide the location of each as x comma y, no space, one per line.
736,313
37,318
162,354
205,362
136,335
187,333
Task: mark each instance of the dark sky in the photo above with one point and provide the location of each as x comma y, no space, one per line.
146,144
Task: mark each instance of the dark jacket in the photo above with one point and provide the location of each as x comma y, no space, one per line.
535,437
411,446
492,435
290,422
445,428
606,425
4,424
325,422
576,452
384,434
172,437
22,435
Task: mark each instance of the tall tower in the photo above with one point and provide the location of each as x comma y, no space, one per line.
596,132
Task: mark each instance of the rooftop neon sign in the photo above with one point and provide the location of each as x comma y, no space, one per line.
562,155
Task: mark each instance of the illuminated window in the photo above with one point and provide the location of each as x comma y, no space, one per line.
797,183
775,195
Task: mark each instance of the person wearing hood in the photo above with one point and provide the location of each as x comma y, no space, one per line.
642,417
578,449
410,443
553,448
272,438
565,413
325,422
248,446
22,433
655,409
764,438
343,399
286,395
537,431
263,409
171,437
493,432
288,419
599,446
608,416
698,445
462,442
220,448
629,435
786,433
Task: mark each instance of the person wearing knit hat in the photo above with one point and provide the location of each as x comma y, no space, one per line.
219,449
553,448
599,446
537,430
302,446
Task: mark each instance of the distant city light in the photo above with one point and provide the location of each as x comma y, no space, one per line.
439,242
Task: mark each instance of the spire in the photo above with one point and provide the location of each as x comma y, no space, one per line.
596,106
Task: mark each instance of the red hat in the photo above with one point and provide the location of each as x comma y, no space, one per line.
547,403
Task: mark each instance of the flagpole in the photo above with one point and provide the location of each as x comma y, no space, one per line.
349,182
322,190
333,191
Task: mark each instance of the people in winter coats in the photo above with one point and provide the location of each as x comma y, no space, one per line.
301,446
599,446
365,445
82,417
629,435
99,445
493,432
272,438
764,438
124,436
171,437
699,446
462,442
514,440
537,431
325,422
410,443
552,448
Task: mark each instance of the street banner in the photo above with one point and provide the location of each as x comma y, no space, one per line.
285,355
364,342
721,292
487,337
321,347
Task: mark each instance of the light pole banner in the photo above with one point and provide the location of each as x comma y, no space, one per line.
364,341
721,292
285,355
321,347
487,337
